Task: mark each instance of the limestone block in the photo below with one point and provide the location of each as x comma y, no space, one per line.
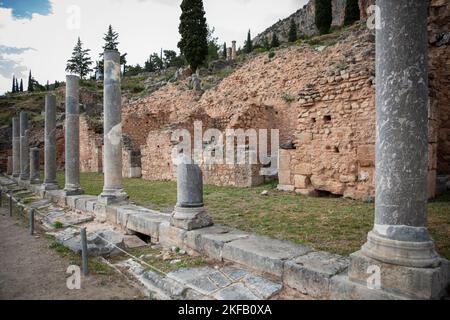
415,283
311,274
171,236
303,169
284,177
210,241
301,182
366,155
146,223
262,254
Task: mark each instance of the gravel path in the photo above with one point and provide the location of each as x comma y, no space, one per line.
30,270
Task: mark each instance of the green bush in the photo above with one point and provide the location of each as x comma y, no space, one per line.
271,54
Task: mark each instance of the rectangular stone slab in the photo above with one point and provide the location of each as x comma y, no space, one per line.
311,274
262,253
211,240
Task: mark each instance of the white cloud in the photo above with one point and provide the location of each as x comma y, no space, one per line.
144,26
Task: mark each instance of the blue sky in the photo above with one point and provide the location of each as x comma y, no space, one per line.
23,9
40,34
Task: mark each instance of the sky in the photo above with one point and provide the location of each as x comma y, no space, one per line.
40,34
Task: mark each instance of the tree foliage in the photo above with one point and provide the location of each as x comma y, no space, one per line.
248,47
194,33
80,61
292,37
352,13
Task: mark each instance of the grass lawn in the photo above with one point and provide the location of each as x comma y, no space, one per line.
330,224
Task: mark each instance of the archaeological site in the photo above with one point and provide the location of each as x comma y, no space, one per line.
309,162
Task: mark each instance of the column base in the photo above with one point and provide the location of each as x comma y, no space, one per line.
402,253
190,218
72,192
113,197
409,282
50,186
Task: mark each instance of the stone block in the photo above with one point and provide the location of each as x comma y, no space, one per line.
413,283
303,168
284,177
284,160
311,274
262,254
210,241
301,182
81,202
237,292
366,155
146,223
287,188
171,236
304,138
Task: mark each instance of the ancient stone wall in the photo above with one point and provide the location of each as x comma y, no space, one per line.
91,144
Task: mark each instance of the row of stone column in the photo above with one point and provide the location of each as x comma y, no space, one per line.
25,162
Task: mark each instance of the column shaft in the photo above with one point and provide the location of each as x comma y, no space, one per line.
72,139
50,143
112,155
24,147
400,235
16,146
35,164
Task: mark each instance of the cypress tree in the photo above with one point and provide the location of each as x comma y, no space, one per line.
292,32
352,13
47,86
17,85
224,50
80,62
275,42
21,85
248,47
323,16
30,83
194,33
13,90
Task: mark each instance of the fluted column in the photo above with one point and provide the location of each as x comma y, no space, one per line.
35,164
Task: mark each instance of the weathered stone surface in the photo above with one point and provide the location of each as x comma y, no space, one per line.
236,292
262,254
67,219
212,239
146,223
101,242
50,143
311,274
416,283
132,242
171,236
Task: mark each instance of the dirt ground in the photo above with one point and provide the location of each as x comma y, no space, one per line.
30,270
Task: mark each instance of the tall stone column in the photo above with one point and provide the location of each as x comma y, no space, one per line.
72,138
189,213
399,243
50,143
24,148
112,114
16,146
229,52
35,164
233,50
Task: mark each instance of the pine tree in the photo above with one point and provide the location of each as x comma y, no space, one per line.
110,40
224,50
21,85
194,33
80,62
352,13
13,90
248,47
323,15
292,32
275,42
30,83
